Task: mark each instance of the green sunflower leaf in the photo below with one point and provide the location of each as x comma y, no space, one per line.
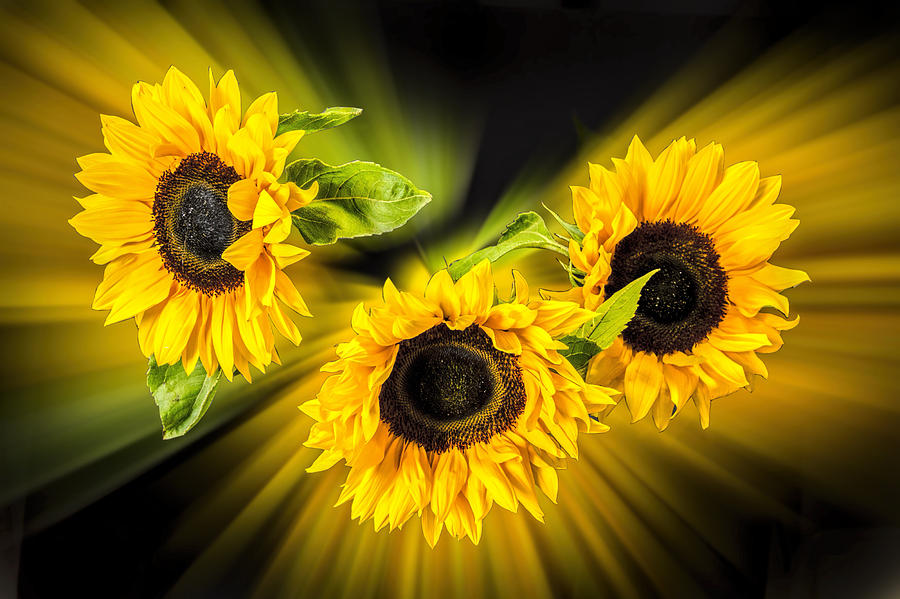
572,229
312,122
612,317
356,199
580,352
528,230
182,398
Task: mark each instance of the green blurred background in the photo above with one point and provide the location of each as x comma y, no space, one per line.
493,107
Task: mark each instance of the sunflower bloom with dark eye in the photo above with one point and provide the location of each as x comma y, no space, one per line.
445,404
190,218
703,318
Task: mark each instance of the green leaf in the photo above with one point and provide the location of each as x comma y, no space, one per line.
312,122
572,229
612,317
356,199
580,352
528,230
182,398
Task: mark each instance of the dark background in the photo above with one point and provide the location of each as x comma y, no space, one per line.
530,64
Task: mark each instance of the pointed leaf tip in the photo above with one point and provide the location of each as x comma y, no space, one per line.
612,318
528,230
572,229
356,199
182,398
311,122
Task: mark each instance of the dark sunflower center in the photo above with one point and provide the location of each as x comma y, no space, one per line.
449,382
193,224
451,389
670,295
685,300
204,222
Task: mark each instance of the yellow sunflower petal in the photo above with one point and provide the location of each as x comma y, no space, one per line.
176,322
680,382
279,231
643,381
110,252
245,251
116,178
520,288
779,278
221,332
493,478
662,412
258,131
164,121
178,88
505,341
182,95
441,292
225,93
582,206
286,254
476,289
266,211
748,247
702,401
247,157
450,473
717,363
191,353
704,172
287,141
416,471
299,197
750,296
146,285
259,283
510,316
117,222
522,480
224,128
267,106
733,194
767,192
242,199
126,140
665,177
639,162
559,318
286,292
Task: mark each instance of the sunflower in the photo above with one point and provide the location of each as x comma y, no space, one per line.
191,221
703,318
444,404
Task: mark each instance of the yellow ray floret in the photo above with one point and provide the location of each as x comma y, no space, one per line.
710,310
191,221
444,403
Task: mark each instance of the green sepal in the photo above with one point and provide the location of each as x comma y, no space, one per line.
356,199
182,398
312,122
576,276
528,230
572,229
612,317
